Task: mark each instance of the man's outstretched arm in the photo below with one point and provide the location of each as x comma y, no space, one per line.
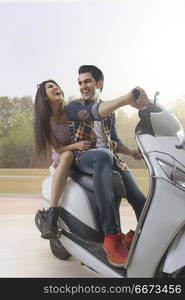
98,110
108,107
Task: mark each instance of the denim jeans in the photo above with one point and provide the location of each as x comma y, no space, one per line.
100,163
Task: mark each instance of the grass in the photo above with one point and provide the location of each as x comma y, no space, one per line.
22,185
32,183
24,172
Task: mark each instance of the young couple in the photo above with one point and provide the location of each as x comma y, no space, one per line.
83,133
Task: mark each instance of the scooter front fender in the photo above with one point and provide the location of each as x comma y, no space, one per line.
175,258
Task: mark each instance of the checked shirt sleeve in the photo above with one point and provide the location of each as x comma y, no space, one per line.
78,112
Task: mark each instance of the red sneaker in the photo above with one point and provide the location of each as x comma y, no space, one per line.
128,238
115,249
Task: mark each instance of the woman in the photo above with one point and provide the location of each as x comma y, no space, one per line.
52,131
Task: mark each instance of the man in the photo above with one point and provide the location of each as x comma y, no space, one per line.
97,123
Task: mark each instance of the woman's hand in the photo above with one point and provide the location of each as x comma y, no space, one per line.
83,145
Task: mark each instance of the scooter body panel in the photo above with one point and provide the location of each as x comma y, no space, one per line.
73,199
175,258
165,215
165,123
159,228
89,259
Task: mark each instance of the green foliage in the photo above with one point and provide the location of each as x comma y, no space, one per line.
126,131
16,129
6,113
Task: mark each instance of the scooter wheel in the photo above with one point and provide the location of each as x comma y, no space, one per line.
58,250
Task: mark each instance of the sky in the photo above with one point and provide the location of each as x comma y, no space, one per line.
135,43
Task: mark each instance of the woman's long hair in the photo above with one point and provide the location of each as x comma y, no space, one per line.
42,111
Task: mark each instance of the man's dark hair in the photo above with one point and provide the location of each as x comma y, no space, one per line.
95,72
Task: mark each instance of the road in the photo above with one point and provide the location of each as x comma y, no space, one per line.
24,254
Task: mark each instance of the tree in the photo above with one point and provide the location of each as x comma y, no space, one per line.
126,131
6,113
16,128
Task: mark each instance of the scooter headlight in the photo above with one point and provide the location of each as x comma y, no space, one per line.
173,173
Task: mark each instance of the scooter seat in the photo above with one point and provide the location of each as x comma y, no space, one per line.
86,181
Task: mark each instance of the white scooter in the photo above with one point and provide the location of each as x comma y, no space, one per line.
158,246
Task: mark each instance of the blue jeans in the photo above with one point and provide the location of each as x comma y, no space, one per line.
100,163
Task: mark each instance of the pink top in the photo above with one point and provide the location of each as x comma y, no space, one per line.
62,135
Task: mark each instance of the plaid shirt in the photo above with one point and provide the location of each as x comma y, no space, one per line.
84,130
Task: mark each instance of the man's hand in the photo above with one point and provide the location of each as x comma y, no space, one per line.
129,151
136,154
141,102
